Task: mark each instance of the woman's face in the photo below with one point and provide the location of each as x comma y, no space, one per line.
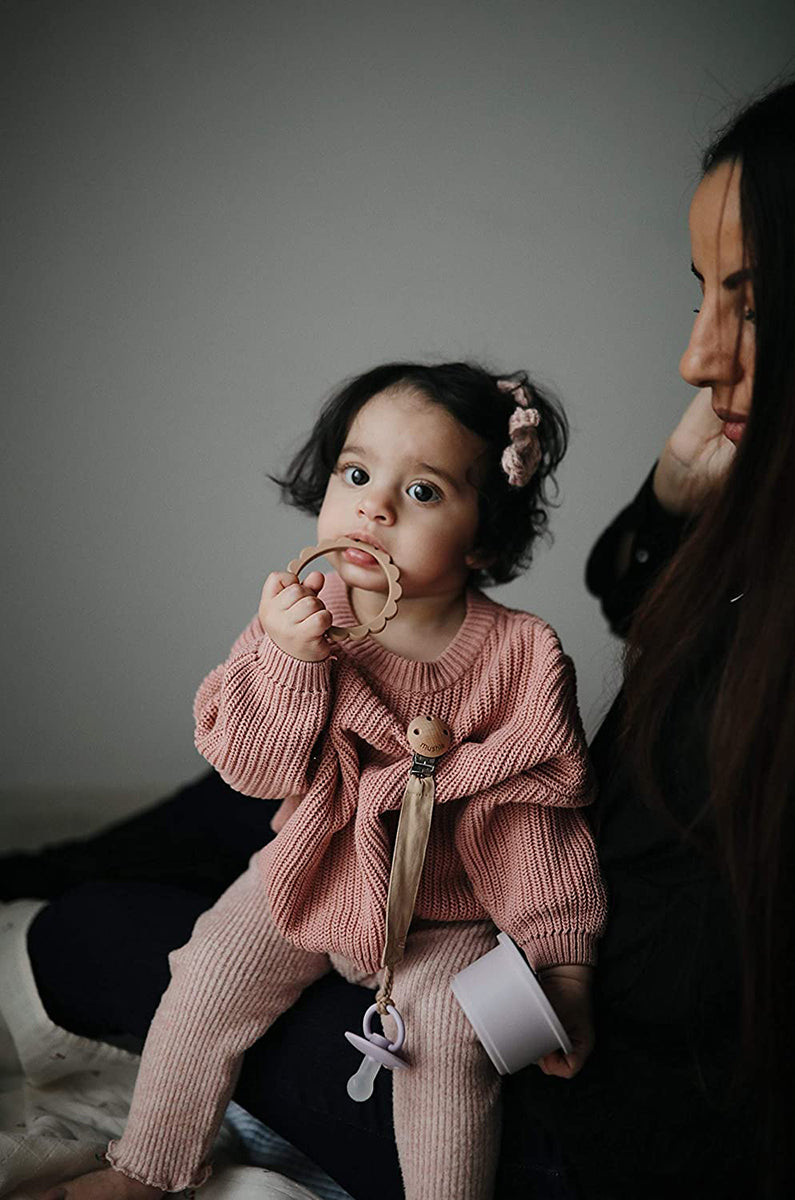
720,354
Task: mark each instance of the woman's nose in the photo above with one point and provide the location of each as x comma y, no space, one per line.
376,506
712,354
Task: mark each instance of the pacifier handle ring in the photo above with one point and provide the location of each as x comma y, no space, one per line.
340,633
367,1026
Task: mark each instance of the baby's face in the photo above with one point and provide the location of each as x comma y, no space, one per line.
405,482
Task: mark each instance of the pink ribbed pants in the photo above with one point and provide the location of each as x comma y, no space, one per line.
230,983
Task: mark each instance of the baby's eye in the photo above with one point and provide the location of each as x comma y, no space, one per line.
355,475
426,493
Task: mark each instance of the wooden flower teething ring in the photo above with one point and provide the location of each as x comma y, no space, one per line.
394,591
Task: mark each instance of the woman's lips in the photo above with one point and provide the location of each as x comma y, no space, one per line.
733,430
733,424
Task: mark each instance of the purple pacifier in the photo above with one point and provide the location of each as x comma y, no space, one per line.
378,1052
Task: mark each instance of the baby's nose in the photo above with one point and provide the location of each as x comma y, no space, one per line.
377,508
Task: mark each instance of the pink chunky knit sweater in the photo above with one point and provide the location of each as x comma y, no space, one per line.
508,838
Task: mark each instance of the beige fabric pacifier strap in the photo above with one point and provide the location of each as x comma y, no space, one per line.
411,842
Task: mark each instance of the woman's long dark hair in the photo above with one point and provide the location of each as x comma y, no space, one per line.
745,542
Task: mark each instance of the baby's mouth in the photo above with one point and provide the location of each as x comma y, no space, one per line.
358,556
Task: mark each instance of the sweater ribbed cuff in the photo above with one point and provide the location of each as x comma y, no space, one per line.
558,949
293,673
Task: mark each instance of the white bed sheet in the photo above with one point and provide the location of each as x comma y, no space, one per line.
63,1097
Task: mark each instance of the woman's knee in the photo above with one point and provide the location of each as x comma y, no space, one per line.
99,953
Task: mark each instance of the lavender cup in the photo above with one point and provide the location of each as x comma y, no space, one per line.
506,1006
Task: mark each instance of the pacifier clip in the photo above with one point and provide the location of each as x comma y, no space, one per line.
428,739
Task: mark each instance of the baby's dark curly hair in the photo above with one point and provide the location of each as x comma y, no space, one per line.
511,518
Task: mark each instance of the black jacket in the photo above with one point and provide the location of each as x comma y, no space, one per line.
654,1112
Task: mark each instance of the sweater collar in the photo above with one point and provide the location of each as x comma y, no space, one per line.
410,675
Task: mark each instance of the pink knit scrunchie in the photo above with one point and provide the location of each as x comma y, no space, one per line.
521,456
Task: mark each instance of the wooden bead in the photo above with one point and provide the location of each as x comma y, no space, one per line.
428,736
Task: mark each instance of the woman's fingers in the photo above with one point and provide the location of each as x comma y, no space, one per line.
695,458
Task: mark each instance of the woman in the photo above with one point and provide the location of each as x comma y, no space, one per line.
687,1091
691,1087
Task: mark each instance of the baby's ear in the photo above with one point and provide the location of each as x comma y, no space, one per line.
476,560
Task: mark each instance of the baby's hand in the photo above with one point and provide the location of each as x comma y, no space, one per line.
102,1185
568,990
293,617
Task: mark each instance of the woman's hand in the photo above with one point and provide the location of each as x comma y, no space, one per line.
568,989
106,1184
695,459
293,617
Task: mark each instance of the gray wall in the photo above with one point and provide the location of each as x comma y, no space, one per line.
214,211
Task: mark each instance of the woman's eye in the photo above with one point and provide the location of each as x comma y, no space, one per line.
749,314
355,475
424,492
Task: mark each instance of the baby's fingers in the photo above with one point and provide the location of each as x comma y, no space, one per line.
315,580
565,1066
311,642
294,617
304,606
281,581
276,582
319,620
